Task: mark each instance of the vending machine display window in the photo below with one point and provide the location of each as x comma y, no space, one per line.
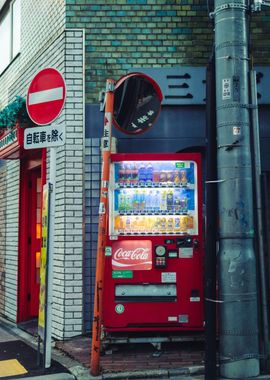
153,197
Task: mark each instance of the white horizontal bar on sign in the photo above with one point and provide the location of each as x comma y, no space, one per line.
46,96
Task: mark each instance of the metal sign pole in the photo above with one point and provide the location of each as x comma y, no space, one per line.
48,330
47,86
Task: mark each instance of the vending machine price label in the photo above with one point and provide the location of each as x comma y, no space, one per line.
180,165
122,274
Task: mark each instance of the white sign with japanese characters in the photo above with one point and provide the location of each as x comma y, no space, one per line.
44,137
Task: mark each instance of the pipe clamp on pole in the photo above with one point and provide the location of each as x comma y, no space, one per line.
227,6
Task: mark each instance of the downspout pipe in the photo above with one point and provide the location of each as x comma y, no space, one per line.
238,315
261,254
210,226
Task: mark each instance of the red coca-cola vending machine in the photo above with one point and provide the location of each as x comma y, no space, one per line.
153,255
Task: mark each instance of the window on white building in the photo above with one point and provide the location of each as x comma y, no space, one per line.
10,33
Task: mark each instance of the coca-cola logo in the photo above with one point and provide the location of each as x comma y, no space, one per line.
134,255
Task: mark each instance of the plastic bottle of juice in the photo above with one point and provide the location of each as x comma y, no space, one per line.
142,201
184,205
183,223
134,172
163,203
156,173
177,176
163,225
183,177
142,224
149,224
156,201
127,172
170,172
148,200
176,201
163,174
170,200
135,201
142,172
121,172
177,223
117,220
128,202
128,223
121,201
170,225
149,172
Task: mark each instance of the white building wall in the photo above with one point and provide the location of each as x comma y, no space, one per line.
69,218
45,43
3,190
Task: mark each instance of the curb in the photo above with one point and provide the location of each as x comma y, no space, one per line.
57,376
179,373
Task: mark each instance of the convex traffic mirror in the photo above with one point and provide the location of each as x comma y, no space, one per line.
137,103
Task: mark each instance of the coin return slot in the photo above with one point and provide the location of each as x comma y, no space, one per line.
145,293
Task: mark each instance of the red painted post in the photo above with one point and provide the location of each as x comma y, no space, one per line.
102,230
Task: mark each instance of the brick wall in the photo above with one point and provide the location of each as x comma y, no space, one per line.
121,34
131,33
92,194
260,30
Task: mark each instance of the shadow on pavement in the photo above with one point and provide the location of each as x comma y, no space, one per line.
27,357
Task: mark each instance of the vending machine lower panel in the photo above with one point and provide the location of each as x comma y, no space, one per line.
170,297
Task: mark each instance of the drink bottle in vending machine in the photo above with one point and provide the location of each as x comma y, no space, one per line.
154,251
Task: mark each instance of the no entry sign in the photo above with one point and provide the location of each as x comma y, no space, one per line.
46,96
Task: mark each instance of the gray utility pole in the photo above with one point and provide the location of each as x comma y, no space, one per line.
238,319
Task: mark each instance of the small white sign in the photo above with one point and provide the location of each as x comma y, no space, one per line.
186,252
236,131
44,137
172,319
226,89
168,277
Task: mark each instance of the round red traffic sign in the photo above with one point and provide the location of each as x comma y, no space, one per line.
46,96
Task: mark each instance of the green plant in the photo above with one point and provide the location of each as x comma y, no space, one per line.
13,113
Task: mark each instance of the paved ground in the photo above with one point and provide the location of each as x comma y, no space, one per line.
27,357
126,361
132,357
175,361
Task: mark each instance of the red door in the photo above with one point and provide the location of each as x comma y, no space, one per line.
30,241
34,241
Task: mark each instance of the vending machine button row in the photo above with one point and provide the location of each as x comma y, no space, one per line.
152,184
128,213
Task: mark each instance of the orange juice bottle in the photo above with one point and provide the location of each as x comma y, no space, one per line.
190,221
183,223
170,225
